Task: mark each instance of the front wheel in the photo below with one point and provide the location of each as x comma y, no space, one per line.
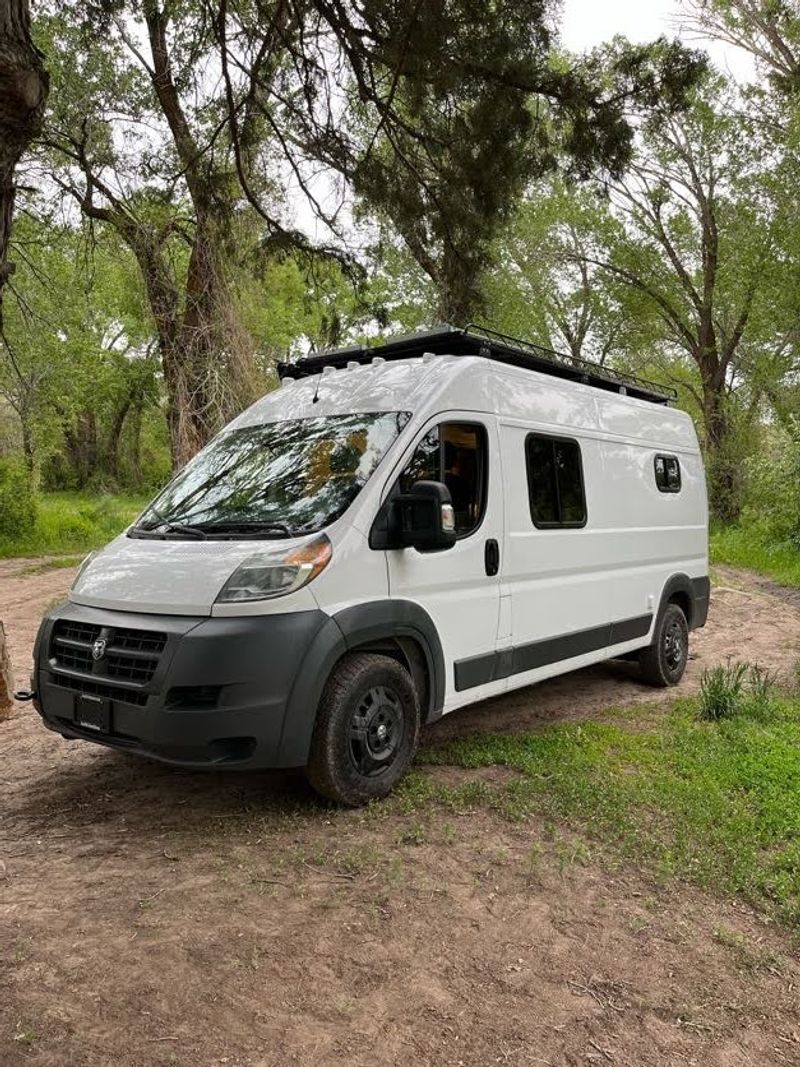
366,731
663,663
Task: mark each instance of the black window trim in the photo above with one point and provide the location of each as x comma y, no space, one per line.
667,488
555,525
485,466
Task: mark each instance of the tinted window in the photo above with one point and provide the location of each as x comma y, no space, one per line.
555,481
454,453
668,474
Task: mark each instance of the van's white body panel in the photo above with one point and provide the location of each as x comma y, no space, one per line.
551,582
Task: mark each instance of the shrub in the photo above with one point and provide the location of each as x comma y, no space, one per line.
17,498
771,509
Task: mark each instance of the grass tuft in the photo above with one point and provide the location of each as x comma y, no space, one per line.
722,690
733,689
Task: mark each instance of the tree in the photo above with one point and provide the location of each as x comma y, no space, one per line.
23,93
702,230
163,188
74,367
768,29
436,115
547,286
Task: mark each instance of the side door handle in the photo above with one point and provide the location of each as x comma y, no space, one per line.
492,557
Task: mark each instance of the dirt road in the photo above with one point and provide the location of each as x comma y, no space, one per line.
151,917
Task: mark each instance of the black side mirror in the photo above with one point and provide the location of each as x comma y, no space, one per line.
423,519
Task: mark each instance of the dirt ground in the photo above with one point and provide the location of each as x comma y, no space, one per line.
150,916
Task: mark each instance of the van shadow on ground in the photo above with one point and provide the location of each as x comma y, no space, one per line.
91,786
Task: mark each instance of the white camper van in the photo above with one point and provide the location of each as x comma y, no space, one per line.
390,535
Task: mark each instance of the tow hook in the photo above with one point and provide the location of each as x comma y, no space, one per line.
24,695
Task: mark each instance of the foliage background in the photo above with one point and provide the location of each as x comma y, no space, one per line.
634,206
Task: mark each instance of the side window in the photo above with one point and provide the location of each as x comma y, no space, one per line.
425,463
455,453
668,474
555,481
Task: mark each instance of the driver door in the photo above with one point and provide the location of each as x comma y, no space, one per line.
459,587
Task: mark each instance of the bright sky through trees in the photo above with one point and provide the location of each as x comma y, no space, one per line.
587,23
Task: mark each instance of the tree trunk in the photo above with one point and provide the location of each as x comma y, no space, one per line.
206,355
6,679
213,355
458,281
23,92
28,448
135,449
80,442
114,440
209,367
721,460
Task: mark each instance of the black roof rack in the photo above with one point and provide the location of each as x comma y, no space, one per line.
479,341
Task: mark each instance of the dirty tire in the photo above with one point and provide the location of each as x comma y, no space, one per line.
366,731
662,664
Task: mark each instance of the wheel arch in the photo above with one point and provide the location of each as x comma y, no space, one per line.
399,628
680,589
404,629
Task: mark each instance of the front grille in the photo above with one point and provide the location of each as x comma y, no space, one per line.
129,656
113,692
75,659
129,669
82,632
139,641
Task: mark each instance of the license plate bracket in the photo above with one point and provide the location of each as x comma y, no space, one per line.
93,713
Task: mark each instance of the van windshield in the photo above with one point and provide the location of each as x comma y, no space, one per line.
273,480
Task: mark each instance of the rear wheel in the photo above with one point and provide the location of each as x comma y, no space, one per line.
366,731
663,663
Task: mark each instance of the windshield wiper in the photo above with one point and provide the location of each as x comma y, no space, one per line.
251,527
171,527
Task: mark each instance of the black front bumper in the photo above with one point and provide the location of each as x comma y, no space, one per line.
219,692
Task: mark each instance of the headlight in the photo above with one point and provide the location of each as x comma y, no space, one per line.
85,563
276,572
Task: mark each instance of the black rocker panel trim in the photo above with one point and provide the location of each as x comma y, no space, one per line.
492,666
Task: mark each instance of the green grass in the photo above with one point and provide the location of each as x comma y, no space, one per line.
715,803
73,523
746,547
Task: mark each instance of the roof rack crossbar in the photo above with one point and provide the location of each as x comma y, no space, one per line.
479,340
588,366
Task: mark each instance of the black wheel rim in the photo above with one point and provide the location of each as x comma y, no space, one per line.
376,731
674,645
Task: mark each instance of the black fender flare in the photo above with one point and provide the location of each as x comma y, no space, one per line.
352,628
694,592
382,619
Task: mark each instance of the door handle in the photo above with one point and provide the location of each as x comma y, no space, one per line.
492,557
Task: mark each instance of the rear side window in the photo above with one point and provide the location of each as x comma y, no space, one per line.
555,482
668,474
454,453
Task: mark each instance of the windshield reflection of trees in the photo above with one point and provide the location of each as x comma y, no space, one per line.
303,473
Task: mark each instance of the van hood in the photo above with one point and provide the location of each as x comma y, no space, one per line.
162,577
